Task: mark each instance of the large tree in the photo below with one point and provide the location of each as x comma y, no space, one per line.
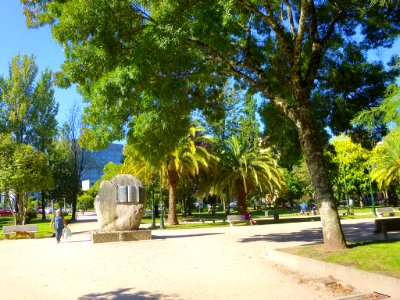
186,160
76,157
27,106
129,52
244,169
23,169
353,167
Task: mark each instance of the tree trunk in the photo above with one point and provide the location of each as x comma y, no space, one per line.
43,205
241,194
392,195
74,202
313,151
173,179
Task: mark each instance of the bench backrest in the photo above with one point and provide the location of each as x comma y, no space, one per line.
384,210
235,218
14,228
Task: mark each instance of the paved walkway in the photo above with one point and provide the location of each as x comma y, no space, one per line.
209,263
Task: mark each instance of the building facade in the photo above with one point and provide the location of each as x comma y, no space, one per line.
93,169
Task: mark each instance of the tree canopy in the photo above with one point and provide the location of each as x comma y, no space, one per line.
27,106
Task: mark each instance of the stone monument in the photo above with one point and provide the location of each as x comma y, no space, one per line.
119,206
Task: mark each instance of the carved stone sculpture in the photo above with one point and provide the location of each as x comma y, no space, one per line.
119,203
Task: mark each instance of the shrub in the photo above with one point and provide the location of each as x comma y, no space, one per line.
30,214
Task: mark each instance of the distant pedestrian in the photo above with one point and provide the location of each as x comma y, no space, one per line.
303,207
351,203
58,222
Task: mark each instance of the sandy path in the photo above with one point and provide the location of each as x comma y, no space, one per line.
211,263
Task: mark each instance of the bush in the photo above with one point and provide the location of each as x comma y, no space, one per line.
30,214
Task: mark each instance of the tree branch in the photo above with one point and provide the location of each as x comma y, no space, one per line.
233,65
318,51
300,33
270,20
290,14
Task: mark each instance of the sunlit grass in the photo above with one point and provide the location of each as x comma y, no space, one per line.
375,256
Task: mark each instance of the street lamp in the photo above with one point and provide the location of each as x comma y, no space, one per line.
345,189
153,217
162,204
370,189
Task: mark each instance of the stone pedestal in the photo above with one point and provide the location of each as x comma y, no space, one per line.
117,236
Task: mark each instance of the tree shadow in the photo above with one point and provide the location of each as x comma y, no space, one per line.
128,294
306,236
353,233
162,237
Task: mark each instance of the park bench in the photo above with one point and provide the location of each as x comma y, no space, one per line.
203,220
384,210
232,219
384,225
20,230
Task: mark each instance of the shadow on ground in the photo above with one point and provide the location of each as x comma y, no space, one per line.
158,237
128,293
353,232
307,236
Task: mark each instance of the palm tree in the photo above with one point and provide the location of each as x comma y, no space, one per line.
386,158
187,159
245,169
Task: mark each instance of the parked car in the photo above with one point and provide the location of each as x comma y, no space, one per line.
5,213
148,212
233,204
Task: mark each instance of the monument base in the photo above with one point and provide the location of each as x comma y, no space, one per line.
119,236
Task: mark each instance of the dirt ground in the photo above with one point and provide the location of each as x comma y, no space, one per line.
209,263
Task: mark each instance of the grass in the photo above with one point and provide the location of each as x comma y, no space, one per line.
375,256
44,229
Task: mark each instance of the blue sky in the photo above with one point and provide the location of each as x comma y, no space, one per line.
16,38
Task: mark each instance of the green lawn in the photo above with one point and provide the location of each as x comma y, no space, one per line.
43,226
375,256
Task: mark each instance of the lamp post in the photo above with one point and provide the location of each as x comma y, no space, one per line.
370,189
345,188
153,217
162,204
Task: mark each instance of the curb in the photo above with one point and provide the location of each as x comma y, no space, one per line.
360,279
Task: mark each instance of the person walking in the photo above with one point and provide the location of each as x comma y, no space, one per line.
58,222
303,207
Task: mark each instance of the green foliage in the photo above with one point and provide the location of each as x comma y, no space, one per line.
62,169
302,175
386,160
86,200
27,106
352,161
244,169
30,214
23,169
